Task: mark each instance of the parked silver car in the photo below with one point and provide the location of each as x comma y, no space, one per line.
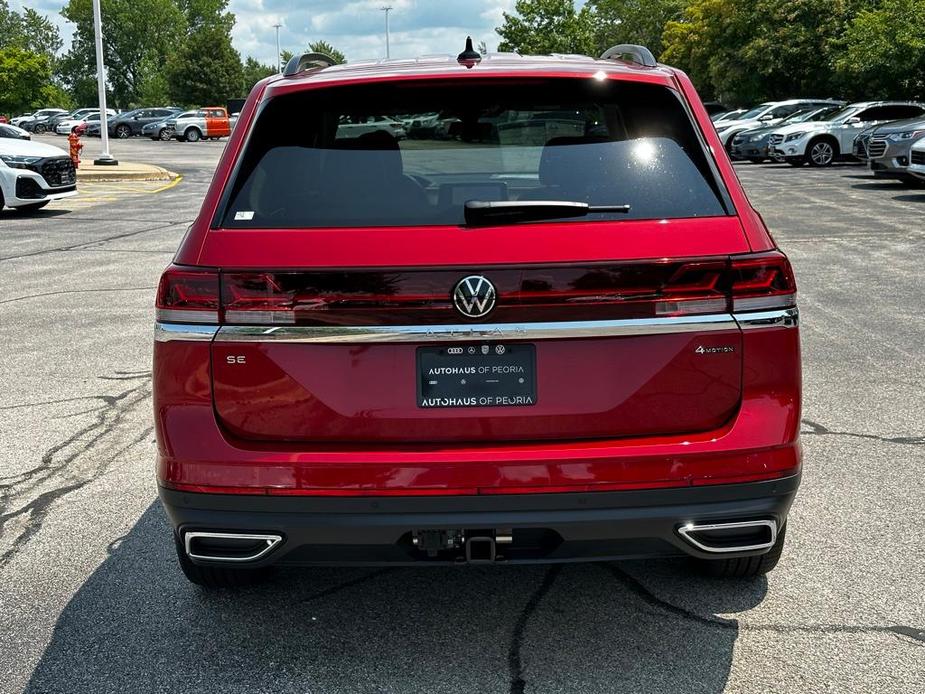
887,151
821,143
754,144
768,113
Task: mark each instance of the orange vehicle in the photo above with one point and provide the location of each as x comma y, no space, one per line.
203,123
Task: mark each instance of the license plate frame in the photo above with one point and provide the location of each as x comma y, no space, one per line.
479,375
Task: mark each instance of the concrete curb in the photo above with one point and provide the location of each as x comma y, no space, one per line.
88,173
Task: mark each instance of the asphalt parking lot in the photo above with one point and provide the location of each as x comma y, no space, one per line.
91,600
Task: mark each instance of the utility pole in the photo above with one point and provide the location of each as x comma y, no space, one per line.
105,158
279,60
387,9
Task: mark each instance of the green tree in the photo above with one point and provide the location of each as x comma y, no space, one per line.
201,14
207,70
24,79
254,71
29,30
547,26
632,21
328,50
138,35
744,51
152,88
882,52
29,43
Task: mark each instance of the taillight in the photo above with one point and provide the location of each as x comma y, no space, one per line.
694,288
762,281
188,296
257,297
632,290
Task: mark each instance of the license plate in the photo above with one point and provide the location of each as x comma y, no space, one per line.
477,375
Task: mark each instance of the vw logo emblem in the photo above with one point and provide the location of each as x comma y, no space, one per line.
474,296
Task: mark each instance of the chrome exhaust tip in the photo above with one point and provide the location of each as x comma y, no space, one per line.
739,536
229,547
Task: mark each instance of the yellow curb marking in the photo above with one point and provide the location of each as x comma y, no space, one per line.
169,185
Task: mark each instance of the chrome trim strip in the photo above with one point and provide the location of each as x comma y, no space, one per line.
783,318
464,333
168,332
271,540
686,531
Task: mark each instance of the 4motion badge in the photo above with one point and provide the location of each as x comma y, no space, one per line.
722,349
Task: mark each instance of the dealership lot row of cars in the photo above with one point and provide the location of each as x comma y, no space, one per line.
818,132
33,174
158,123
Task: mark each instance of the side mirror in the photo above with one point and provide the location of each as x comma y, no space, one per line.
853,120
767,116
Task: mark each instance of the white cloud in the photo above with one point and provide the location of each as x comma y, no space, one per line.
356,27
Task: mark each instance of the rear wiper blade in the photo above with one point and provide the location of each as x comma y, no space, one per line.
485,213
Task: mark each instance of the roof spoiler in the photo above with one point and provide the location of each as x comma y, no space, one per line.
306,61
630,53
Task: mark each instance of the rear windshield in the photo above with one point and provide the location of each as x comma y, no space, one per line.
414,153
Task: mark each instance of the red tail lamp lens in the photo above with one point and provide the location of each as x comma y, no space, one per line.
762,281
694,288
188,296
257,297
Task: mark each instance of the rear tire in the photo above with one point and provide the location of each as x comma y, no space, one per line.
744,567
165,135
217,576
123,131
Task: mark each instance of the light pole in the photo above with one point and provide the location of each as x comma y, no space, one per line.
279,61
105,159
387,9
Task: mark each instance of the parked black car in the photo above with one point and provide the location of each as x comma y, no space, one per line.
131,122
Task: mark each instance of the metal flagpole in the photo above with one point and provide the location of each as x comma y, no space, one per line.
105,158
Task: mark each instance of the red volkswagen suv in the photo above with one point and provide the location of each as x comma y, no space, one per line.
543,325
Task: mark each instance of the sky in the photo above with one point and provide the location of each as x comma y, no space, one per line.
356,27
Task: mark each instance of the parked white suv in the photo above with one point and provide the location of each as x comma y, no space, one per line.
32,174
768,113
822,142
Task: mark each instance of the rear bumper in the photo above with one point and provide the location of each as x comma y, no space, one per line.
544,527
759,442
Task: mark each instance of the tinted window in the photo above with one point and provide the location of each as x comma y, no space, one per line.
889,113
755,112
783,111
900,112
376,155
